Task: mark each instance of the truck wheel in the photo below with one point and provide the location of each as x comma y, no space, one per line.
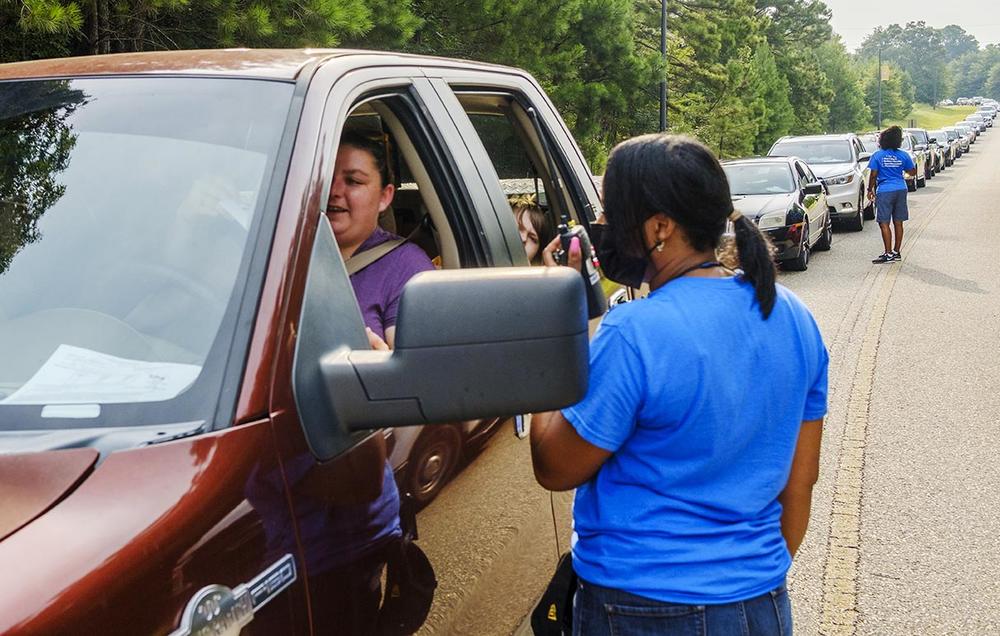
922,181
432,462
911,186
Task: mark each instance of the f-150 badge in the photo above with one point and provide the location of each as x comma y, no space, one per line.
220,611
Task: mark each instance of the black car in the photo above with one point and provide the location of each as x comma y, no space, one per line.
787,201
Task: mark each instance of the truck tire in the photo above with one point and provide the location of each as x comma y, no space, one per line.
432,462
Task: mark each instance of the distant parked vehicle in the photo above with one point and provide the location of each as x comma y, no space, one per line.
946,102
919,157
962,101
968,131
841,162
869,141
955,137
978,121
923,144
977,100
787,202
946,146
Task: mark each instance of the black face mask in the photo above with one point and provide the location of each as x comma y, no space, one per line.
627,270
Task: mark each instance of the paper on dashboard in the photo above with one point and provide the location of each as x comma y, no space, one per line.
73,375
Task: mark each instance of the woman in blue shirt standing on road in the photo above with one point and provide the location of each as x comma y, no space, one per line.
696,448
887,168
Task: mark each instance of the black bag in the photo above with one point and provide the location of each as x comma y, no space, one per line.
409,589
409,579
553,616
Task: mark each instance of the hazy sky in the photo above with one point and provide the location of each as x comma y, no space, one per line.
854,19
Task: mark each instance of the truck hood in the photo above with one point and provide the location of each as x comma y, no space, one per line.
40,468
754,205
31,483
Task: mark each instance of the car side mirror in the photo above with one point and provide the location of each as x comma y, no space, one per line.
864,156
469,344
815,187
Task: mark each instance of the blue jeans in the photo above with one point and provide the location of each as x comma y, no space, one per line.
602,611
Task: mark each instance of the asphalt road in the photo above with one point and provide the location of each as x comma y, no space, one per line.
905,530
904,537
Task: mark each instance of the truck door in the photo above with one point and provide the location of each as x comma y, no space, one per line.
485,527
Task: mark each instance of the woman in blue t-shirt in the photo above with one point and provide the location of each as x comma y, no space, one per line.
696,448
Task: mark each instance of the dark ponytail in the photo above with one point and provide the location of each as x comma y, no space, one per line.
756,262
680,177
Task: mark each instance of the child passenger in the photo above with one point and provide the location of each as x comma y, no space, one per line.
536,228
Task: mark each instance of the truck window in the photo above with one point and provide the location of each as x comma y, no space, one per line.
519,161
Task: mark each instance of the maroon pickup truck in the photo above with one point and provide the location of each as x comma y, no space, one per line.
194,428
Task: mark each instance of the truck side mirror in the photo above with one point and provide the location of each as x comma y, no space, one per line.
469,344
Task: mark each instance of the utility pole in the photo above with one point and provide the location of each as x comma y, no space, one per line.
879,126
663,56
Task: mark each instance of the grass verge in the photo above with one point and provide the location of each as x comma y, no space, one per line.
926,116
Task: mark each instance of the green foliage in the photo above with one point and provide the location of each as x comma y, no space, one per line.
49,17
971,71
921,51
599,99
793,29
779,117
957,42
106,26
848,110
992,86
897,91
740,73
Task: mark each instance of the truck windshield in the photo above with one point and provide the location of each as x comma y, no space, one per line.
125,206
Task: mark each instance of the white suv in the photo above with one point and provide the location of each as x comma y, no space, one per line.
841,163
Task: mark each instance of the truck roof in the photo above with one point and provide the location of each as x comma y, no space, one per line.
281,64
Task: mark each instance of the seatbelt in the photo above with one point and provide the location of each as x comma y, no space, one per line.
360,261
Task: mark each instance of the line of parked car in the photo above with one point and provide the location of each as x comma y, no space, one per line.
807,185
